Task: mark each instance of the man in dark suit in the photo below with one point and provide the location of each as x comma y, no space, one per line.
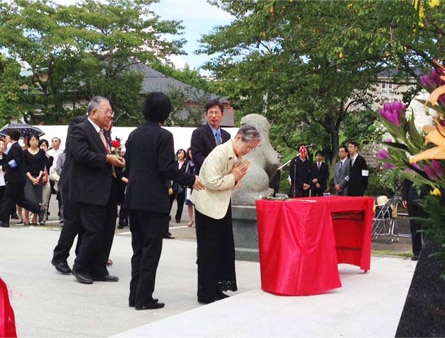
92,186
207,137
321,172
301,173
358,172
150,162
15,182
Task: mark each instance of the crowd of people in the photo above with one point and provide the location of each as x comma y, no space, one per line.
91,182
308,178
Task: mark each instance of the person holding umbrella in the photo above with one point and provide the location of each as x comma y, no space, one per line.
16,179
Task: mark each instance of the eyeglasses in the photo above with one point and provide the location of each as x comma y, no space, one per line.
107,111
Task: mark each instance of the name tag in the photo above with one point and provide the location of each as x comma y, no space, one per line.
365,173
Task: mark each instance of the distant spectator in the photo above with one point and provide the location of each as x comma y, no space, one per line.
358,172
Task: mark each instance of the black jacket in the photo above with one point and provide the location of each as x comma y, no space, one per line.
15,173
411,195
150,163
91,176
300,172
321,174
358,182
202,143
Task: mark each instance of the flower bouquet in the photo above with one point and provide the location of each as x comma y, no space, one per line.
421,156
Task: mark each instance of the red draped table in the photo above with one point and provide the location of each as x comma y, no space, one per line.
302,240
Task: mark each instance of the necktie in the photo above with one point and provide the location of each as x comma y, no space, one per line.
107,147
104,141
318,165
341,164
218,137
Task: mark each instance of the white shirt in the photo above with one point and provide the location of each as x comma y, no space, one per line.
353,159
55,154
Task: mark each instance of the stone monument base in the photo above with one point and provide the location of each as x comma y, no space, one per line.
245,233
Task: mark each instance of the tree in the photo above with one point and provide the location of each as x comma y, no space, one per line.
76,52
308,65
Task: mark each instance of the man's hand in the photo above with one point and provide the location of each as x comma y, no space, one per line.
338,188
405,204
116,161
306,186
170,191
239,170
318,186
199,184
125,180
314,180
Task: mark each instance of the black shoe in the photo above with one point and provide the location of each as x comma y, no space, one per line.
178,221
14,215
62,267
206,300
169,236
150,306
220,295
4,224
415,258
106,278
82,278
41,213
131,301
120,226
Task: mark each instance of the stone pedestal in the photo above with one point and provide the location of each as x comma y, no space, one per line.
245,233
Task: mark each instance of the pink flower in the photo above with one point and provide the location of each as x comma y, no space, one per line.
389,166
437,167
389,141
392,112
430,172
383,154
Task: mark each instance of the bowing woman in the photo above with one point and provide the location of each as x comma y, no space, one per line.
221,171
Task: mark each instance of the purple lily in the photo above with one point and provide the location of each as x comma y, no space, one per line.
430,172
389,166
392,112
437,167
383,154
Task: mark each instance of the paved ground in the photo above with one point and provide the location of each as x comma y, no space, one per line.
48,304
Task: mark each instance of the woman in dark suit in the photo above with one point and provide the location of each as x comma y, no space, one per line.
150,162
178,189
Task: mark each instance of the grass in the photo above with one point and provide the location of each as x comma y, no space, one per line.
392,253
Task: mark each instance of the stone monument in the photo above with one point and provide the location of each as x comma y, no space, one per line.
254,184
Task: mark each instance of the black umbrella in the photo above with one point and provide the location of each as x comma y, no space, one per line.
24,128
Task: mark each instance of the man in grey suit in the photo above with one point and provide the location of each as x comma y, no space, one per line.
341,173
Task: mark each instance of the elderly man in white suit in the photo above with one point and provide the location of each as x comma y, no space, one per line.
221,172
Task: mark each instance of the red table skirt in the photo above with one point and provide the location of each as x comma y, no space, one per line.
302,240
7,320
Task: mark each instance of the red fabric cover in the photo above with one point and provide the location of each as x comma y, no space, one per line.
7,320
300,244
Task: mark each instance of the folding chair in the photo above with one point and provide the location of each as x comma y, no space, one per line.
385,218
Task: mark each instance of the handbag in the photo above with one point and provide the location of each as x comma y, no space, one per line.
45,177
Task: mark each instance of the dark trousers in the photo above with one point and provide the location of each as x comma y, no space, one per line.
415,210
147,230
299,192
216,255
14,194
180,198
98,224
71,228
317,192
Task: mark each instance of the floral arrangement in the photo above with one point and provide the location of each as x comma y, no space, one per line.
116,146
421,156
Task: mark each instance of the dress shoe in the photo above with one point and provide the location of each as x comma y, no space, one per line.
150,306
82,278
220,295
62,267
206,300
178,221
106,278
4,224
169,236
415,258
14,215
41,213
131,301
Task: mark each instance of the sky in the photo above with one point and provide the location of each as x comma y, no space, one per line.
198,18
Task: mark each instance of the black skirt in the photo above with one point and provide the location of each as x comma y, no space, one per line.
216,255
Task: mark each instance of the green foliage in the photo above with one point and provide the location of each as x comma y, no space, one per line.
308,65
10,93
75,52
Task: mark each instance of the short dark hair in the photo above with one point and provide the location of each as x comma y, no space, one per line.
56,138
354,143
319,152
45,141
13,134
345,148
188,151
30,136
179,150
157,107
213,103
